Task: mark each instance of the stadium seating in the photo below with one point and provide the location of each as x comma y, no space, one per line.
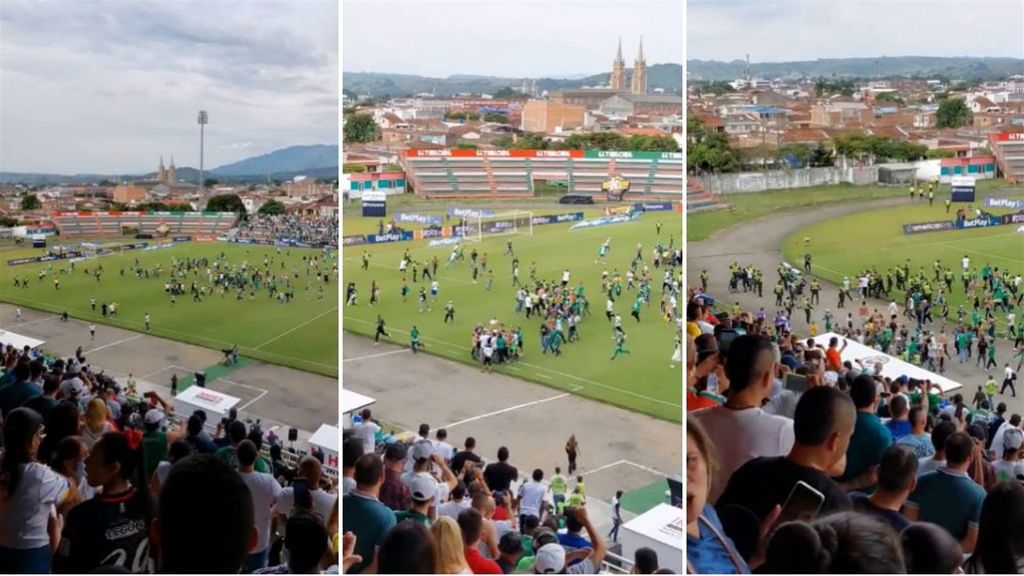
113,223
700,200
473,175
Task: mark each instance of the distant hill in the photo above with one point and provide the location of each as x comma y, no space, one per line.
953,68
291,159
668,77
317,161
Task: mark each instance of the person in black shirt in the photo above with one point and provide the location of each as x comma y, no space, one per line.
897,478
460,458
111,530
499,475
822,426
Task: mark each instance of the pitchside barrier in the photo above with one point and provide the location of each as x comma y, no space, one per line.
448,231
964,223
94,251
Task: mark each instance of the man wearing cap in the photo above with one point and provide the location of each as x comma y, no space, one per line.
154,440
423,490
394,493
1010,466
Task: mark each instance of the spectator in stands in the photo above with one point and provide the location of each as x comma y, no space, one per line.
897,478
449,550
320,501
265,491
511,550
365,516
740,430
948,496
423,489
154,440
63,421
281,469
467,454
408,548
236,432
28,492
645,561
942,431
531,497
394,493
97,421
1010,466
870,437
69,461
708,549
981,470
1000,545
929,549
919,441
48,399
471,523
110,530
179,449
351,450
899,424
998,438
205,520
307,542
499,475
845,543
196,438
367,429
441,446
20,390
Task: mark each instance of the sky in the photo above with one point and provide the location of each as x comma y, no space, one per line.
779,31
91,86
510,38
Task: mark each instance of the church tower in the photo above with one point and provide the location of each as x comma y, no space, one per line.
171,176
638,86
161,172
618,79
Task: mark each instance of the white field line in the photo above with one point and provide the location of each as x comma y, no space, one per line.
306,323
370,356
112,344
31,322
509,409
628,463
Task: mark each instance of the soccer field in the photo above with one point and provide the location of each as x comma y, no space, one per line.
302,334
646,380
848,245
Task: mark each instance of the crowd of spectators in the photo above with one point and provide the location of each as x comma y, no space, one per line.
316,231
427,507
97,478
801,462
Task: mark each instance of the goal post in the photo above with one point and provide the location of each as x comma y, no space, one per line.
480,226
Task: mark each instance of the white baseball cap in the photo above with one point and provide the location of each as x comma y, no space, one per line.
550,559
154,416
423,488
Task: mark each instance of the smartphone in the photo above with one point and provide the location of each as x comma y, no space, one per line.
303,498
803,503
795,383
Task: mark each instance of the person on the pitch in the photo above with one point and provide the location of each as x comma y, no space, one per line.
620,341
380,330
414,339
449,312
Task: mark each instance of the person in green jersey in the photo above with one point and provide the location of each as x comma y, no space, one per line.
620,341
414,339
635,313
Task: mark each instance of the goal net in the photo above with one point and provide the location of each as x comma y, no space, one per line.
476,228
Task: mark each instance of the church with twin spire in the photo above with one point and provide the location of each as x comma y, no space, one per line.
638,79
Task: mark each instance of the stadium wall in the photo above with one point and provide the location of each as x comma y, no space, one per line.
753,182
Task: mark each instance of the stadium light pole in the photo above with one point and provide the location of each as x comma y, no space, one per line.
203,121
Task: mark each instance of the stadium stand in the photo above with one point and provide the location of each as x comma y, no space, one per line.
110,461
920,483
114,223
512,173
700,200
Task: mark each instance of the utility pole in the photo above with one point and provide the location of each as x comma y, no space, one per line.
203,121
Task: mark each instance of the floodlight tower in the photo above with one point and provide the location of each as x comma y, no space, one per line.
203,121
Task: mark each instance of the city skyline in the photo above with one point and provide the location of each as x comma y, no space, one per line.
801,30
511,40
120,84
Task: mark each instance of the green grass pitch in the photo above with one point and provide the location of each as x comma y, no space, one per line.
646,380
847,245
302,334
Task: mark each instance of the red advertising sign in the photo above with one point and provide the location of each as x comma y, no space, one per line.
1009,137
448,153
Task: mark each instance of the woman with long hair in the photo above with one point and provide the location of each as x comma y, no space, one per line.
112,529
572,451
96,422
449,551
1000,547
69,461
63,420
28,492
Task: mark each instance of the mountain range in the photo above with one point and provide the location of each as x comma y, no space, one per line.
316,160
668,77
952,68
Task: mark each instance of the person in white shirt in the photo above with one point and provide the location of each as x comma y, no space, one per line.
441,447
740,429
999,437
459,502
1010,466
323,503
367,430
531,497
265,491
